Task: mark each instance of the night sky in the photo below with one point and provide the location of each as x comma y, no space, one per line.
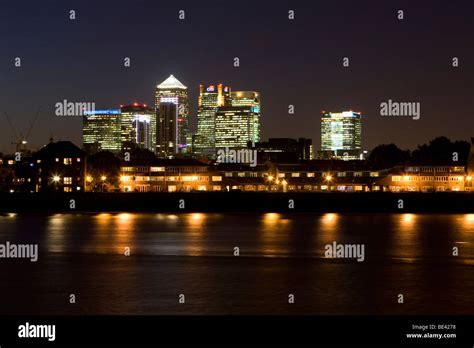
290,62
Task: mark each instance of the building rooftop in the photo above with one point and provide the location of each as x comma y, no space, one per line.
171,83
59,149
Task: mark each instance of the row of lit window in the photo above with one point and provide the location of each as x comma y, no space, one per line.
66,161
427,178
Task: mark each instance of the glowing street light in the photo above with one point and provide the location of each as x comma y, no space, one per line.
468,178
270,178
328,177
103,178
56,178
89,178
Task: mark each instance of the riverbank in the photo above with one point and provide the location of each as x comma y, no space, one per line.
455,202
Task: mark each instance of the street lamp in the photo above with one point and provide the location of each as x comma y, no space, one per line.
270,179
328,181
103,178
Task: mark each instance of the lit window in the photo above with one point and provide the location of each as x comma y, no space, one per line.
67,180
295,175
217,178
310,175
67,161
396,178
374,174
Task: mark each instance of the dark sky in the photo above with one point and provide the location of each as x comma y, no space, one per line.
290,62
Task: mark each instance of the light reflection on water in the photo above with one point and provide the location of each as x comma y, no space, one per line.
279,253
405,236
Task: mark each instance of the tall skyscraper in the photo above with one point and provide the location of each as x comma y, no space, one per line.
238,124
167,130
101,131
138,127
210,98
341,135
172,109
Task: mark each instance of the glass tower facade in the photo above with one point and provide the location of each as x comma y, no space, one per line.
210,98
173,122
341,135
101,131
236,126
138,127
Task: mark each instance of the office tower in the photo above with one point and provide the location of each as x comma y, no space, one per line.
341,135
236,126
173,121
138,127
101,131
167,130
210,98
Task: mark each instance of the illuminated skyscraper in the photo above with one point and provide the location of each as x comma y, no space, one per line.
138,127
210,98
173,121
101,131
238,124
167,130
341,135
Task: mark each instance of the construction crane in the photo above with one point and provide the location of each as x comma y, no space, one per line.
20,140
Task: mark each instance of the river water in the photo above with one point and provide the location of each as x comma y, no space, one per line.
279,255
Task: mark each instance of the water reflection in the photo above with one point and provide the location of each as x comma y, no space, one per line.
280,253
195,225
56,237
277,236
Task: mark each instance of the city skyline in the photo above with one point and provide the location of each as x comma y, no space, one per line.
395,62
